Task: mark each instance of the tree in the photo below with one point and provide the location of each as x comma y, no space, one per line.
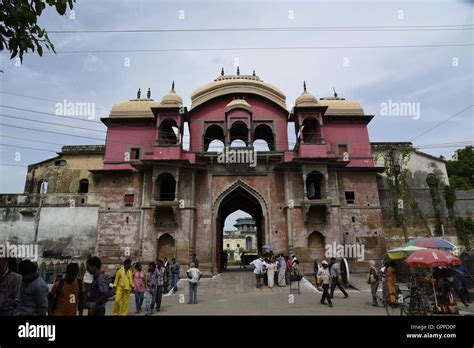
465,229
19,31
461,171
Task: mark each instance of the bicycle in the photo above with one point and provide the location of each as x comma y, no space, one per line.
393,302
417,303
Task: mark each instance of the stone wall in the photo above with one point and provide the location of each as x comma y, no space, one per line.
464,206
69,230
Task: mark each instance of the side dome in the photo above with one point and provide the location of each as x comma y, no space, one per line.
306,99
172,99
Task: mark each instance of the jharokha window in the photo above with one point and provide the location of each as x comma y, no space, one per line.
314,185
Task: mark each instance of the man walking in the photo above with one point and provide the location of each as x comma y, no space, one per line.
10,284
151,288
166,266
257,265
124,285
99,289
174,274
336,278
160,283
373,279
194,275
242,260
325,277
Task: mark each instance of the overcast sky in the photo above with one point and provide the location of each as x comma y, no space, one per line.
437,79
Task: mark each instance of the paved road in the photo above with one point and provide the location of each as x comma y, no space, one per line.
234,293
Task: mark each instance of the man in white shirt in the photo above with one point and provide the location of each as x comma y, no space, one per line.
257,264
194,275
325,275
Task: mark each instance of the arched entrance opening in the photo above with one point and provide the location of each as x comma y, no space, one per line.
165,247
244,200
316,245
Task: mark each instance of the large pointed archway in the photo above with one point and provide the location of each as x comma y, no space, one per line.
239,196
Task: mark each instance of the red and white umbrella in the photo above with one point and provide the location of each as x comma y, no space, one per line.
431,258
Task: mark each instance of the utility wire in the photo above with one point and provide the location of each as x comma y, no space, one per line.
42,99
442,122
271,29
258,48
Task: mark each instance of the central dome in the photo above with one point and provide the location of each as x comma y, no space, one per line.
239,84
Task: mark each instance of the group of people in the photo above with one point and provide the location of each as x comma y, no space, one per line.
274,269
328,276
24,292
147,286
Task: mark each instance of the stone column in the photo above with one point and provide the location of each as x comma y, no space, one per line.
289,215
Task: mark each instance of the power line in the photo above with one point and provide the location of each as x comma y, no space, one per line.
442,122
271,29
26,139
52,132
39,98
12,165
29,148
281,48
52,123
50,114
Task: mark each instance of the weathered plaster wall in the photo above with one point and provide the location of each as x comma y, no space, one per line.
70,230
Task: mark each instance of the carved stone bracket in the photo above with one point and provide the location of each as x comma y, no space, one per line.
305,212
175,215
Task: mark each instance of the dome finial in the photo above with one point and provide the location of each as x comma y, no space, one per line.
238,71
148,94
335,94
253,73
222,72
139,93
172,87
304,86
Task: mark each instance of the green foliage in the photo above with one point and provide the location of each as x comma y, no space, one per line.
19,31
464,229
461,172
433,184
450,199
395,160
